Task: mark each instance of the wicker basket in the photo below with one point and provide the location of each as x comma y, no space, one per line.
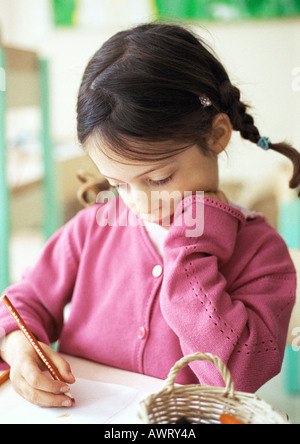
204,404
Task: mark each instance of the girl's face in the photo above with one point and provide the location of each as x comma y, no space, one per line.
153,190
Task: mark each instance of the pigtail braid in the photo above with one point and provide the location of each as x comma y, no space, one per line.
291,153
237,111
243,122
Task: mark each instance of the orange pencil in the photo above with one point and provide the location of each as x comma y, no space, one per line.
33,342
4,377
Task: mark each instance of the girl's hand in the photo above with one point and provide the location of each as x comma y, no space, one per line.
27,375
216,195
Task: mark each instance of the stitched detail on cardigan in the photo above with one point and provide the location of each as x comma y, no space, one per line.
280,278
264,346
213,203
291,300
227,208
208,307
274,276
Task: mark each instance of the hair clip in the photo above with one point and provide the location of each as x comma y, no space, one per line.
264,143
205,101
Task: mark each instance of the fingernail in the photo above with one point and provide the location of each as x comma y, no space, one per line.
67,403
72,376
65,389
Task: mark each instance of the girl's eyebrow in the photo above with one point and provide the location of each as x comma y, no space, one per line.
143,174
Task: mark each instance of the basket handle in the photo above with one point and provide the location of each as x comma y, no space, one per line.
183,362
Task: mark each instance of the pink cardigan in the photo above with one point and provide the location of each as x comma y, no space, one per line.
229,292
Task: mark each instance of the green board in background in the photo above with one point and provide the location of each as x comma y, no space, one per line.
226,9
64,12
175,8
273,8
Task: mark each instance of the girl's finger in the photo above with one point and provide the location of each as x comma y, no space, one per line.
38,380
39,397
61,364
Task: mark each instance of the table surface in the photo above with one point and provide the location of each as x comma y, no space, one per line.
93,371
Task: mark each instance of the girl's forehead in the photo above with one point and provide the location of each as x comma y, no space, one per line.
116,167
128,150
135,153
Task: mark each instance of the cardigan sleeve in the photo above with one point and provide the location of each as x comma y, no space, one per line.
244,323
46,288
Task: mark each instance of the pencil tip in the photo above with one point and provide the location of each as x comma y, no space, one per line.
69,394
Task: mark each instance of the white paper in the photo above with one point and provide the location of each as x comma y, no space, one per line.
96,403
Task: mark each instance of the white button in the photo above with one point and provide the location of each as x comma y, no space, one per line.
157,271
142,333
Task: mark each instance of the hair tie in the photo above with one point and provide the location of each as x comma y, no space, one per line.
264,143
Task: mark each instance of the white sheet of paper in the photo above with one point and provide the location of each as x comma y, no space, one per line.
96,403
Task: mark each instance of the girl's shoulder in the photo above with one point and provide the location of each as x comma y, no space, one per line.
93,219
248,214
262,242
90,215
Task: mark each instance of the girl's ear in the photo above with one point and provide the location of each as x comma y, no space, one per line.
221,133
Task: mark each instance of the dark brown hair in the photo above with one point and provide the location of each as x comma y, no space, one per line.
142,88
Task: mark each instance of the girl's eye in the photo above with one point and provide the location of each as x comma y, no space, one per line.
160,182
150,181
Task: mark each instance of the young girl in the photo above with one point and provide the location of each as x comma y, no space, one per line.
155,109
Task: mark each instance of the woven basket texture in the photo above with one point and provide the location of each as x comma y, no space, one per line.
204,404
